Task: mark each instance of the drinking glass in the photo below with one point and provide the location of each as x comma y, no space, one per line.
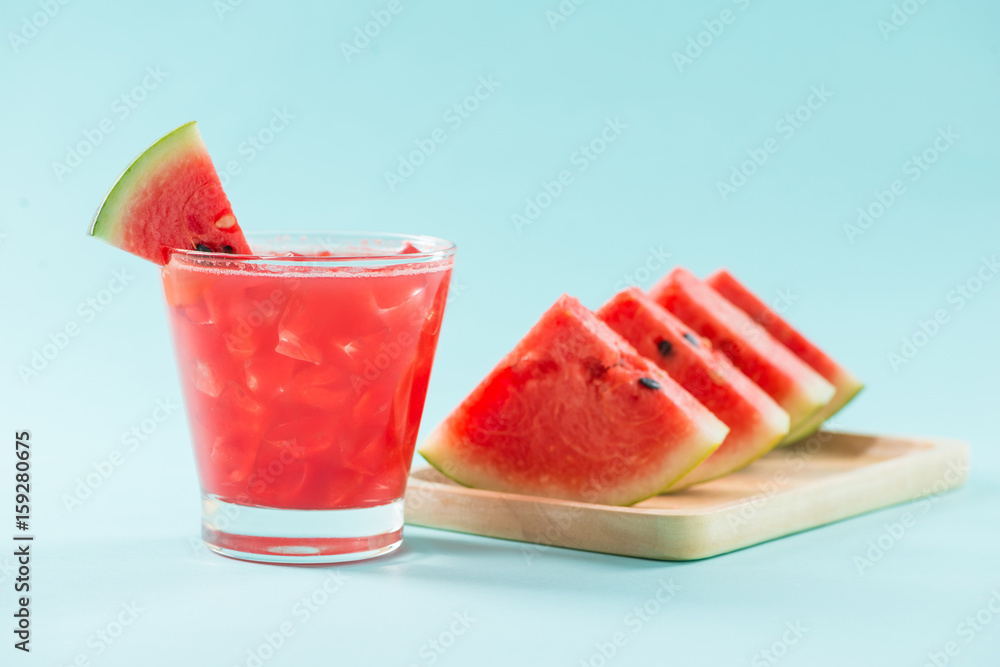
304,370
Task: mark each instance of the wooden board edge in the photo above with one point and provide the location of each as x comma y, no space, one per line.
879,486
545,522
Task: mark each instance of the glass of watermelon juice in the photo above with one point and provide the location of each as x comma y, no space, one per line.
304,371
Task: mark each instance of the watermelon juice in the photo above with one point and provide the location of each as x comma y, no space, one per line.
304,376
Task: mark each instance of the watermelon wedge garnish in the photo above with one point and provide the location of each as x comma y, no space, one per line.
756,423
796,387
170,198
574,412
846,384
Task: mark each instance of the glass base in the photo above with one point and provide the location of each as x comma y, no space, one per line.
310,537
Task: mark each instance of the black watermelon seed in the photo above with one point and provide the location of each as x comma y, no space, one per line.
228,249
595,367
691,339
665,347
201,247
649,383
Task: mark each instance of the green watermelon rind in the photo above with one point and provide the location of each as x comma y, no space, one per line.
811,391
851,387
780,432
440,468
846,385
669,487
108,221
438,438
636,317
778,441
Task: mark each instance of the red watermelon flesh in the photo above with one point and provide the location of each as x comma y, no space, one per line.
574,412
170,198
756,423
796,387
846,384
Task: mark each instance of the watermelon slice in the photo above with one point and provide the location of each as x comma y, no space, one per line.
756,423
574,412
170,198
846,384
796,387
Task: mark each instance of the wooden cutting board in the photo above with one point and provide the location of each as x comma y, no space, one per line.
829,477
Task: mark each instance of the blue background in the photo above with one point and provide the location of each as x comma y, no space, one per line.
654,190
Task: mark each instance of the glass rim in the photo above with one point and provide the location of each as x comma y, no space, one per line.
438,249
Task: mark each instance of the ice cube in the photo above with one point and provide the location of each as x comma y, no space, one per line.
277,477
232,457
395,291
206,379
196,312
291,345
304,437
236,407
293,329
269,374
